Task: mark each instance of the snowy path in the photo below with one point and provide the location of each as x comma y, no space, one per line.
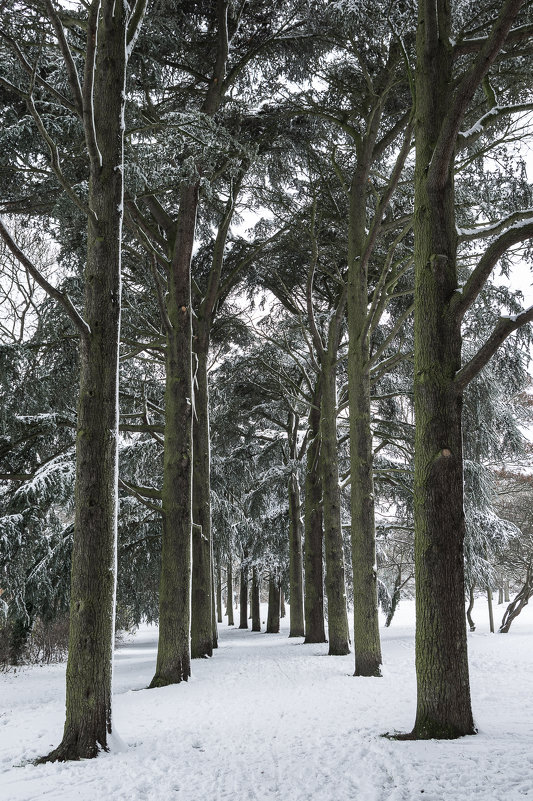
271,719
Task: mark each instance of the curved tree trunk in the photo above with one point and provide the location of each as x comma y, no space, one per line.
470,607
338,634
296,559
314,579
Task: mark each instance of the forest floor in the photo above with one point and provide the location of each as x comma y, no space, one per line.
271,719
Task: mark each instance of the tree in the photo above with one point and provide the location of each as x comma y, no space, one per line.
442,102
97,100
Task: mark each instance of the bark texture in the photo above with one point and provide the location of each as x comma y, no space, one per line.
443,703
296,559
229,593
243,598
174,651
202,589
314,576
255,600
338,633
274,603
93,576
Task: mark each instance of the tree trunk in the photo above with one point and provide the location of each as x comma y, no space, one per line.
506,596
201,607
500,594
256,607
229,598
219,593
314,580
243,620
520,601
296,559
274,599
491,611
338,633
93,575
469,617
443,703
173,653
282,611
395,600
367,646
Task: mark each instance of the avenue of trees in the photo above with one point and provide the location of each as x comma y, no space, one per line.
257,333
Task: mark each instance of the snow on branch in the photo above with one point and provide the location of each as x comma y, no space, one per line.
504,327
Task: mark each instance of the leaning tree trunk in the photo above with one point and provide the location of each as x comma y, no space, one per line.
314,579
243,598
256,606
518,603
296,559
443,703
173,653
338,633
229,593
274,603
201,608
470,607
93,576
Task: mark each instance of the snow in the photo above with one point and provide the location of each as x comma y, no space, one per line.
268,718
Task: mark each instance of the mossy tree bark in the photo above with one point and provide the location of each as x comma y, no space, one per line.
255,600
100,102
296,558
314,577
274,603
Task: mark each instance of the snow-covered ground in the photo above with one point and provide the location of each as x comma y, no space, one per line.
270,718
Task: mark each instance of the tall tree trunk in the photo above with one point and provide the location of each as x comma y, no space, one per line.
93,576
274,599
256,607
201,607
367,646
314,580
243,597
339,638
173,653
282,611
443,703
506,596
229,597
296,558
219,593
